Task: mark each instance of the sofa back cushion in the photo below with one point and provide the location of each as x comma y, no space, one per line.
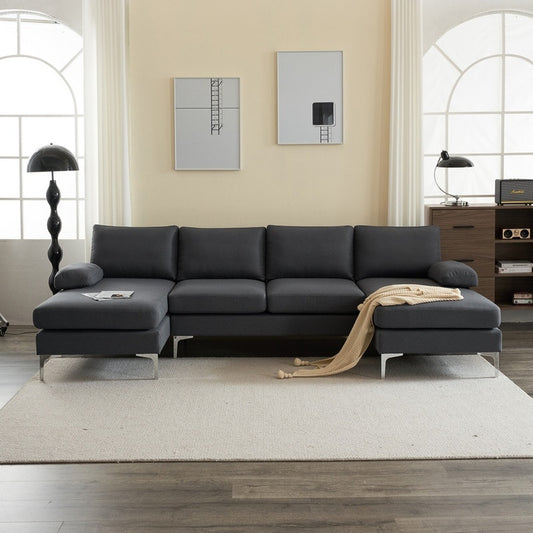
383,251
135,252
309,252
221,253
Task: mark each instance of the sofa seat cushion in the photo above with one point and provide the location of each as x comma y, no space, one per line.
221,296
474,311
70,309
313,295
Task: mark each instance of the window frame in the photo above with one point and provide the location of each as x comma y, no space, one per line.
19,17
503,113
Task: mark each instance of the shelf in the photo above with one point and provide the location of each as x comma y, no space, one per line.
513,306
479,238
514,241
514,275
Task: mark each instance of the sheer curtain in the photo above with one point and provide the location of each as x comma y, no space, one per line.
406,204
107,188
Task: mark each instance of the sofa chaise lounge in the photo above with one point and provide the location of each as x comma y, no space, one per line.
273,281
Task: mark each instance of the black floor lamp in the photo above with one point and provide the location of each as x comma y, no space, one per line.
53,158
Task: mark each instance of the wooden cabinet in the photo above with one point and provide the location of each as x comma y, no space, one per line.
473,235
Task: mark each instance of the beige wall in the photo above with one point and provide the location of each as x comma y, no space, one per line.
340,184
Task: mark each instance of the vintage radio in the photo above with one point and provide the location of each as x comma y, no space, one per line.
513,191
516,233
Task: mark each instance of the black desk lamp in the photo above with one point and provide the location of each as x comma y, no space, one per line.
53,158
447,161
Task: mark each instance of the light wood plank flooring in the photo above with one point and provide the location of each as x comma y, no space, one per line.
367,496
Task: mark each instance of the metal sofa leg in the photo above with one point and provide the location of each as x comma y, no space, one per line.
155,360
42,361
177,339
384,358
495,356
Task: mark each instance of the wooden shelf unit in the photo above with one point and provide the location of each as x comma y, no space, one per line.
473,235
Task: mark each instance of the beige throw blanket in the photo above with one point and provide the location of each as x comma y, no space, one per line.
363,329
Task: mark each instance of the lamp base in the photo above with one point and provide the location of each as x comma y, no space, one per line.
455,203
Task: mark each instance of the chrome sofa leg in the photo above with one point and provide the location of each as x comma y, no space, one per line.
155,359
384,358
42,361
177,339
495,356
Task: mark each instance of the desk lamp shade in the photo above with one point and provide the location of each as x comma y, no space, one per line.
53,158
448,161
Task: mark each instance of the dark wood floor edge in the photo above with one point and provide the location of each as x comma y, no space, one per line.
273,462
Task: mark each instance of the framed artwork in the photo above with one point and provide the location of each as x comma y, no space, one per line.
310,97
207,123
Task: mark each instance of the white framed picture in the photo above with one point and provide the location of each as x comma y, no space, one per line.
207,123
310,97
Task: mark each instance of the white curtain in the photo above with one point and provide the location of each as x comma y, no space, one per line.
107,188
406,198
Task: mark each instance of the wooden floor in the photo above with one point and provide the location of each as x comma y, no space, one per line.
367,496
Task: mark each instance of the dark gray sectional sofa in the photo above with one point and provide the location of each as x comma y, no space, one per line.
273,281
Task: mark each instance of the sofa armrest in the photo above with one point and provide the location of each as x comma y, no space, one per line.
453,274
78,275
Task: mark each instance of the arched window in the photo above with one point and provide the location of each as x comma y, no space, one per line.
41,101
478,102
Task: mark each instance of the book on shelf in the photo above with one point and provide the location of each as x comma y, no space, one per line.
523,301
514,266
523,298
514,270
109,295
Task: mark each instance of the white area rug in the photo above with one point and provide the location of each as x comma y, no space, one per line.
235,409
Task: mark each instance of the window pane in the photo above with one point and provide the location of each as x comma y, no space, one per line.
518,133
439,78
66,181
35,214
433,135
519,35
469,134
54,43
81,178
32,88
487,167
8,37
69,219
35,184
473,40
39,131
81,137
9,136
518,84
429,185
9,219
74,76
479,89
519,166
81,219
456,180
10,182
